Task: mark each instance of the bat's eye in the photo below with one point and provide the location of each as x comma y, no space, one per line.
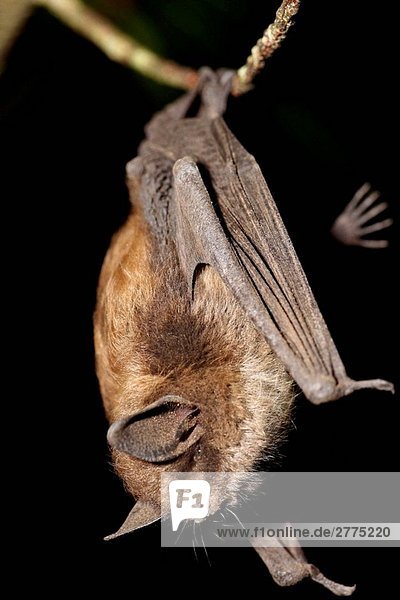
161,432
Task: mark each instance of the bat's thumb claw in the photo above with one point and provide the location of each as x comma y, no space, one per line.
377,384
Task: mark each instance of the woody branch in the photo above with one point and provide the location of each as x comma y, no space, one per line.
117,45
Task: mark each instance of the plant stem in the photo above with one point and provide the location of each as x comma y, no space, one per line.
117,45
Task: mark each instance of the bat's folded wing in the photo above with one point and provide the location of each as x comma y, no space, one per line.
238,231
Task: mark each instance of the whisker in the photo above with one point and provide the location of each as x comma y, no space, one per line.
236,517
204,546
181,532
194,541
194,550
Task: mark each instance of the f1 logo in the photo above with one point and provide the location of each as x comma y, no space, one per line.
189,499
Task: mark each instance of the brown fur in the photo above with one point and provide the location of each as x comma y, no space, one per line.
152,341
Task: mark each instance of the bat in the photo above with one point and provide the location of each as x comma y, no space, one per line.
204,317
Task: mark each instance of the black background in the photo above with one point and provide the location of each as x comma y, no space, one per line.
323,119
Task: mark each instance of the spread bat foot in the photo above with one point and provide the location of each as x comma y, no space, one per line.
351,226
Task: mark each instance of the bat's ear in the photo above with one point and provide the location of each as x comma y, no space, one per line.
162,431
142,514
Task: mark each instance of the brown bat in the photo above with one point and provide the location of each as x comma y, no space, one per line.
205,316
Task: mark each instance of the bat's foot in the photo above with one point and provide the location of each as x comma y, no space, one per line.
289,565
351,226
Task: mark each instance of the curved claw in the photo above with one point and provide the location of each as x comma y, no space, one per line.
350,227
377,384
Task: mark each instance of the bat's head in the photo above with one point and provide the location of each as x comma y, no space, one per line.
188,385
